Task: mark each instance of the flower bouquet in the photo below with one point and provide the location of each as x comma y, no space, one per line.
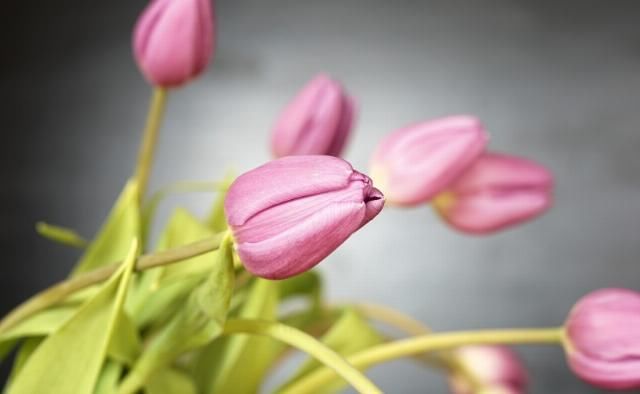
218,303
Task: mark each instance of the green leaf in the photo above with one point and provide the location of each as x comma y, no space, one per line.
349,335
171,381
217,221
114,239
61,235
150,208
28,346
109,377
40,324
198,322
70,359
237,364
158,289
125,345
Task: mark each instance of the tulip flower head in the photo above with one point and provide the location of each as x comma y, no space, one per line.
415,163
496,192
603,339
317,122
289,214
496,368
173,40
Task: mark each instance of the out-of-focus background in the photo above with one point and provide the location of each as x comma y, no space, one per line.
556,81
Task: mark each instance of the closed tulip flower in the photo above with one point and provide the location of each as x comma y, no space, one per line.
498,191
603,339
173,40
415,163
317,122
289,214
496,368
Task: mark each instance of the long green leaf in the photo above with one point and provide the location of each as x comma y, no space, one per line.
114,238
109,377
171,381
237,364
159,289
197,323
70,359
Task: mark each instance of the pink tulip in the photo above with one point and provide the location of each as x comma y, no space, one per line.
317,122
603,334
497,368
173,40
415,163
496,192
289,214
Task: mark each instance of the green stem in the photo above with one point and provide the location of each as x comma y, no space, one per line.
428,343
443,360
61,290
149,139
306,343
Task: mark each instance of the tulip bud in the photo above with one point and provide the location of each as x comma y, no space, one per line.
289,214
496,368
497,191
317,122
413,164
173,40
603,339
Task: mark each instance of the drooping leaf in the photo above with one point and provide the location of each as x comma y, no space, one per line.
40,324
114,238
61,235
199,321
70,359
237,364
349,334
170,381
109,377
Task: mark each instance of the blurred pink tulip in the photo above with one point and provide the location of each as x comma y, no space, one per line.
498,191
497,368
289,214
603,333
317,122
173,40
415,163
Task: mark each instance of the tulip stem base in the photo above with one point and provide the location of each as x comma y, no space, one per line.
308,344
429,343
62,290
150,138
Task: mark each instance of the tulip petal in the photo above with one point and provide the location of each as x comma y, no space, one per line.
303,246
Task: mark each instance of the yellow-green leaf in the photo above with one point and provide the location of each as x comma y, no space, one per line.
217,221
28,346
109,377
61,235
223,366
158,289
198,322
69,360
170,381
114,238
125,344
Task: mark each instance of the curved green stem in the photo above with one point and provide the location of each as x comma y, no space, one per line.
443,360
306,343
60,291
429,343
150,138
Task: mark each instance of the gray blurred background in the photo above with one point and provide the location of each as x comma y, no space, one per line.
556,81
